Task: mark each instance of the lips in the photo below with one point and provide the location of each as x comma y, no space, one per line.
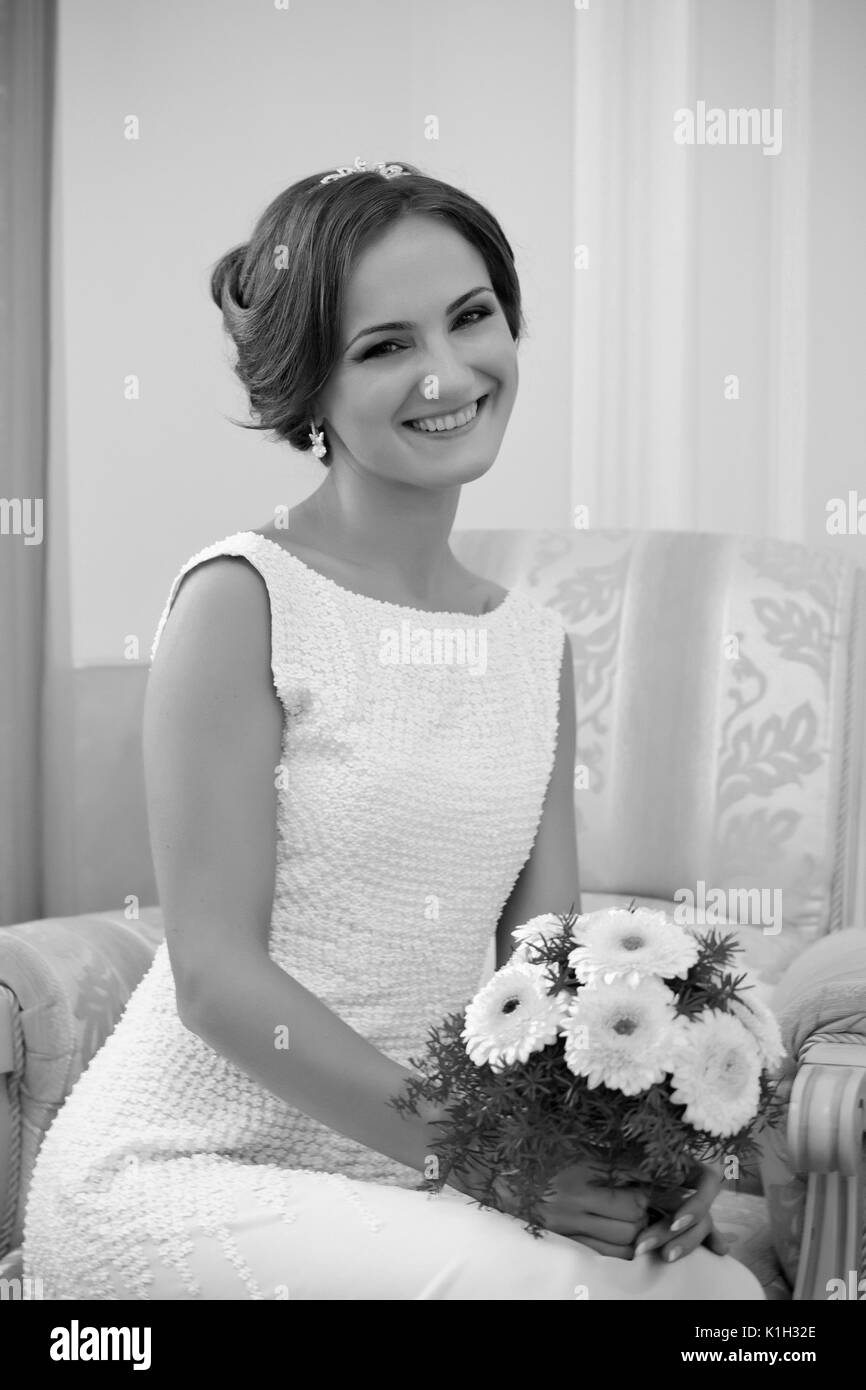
449,422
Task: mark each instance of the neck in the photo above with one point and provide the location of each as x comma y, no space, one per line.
388,527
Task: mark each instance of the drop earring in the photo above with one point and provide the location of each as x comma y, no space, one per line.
317,439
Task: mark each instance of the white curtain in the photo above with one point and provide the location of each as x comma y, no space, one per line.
691,269
26,87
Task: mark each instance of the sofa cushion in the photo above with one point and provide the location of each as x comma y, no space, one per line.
742,1218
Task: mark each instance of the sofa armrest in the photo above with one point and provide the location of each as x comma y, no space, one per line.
826,1127
64,983
820,1003
11,1068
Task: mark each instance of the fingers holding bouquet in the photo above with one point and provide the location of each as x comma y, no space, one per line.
625,1222
608,1219
579,1203
619,1043
689,1223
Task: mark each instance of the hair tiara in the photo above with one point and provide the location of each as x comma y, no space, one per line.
388,171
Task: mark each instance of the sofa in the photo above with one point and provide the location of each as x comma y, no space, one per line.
721,703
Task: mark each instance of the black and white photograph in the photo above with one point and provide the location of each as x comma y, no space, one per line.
433,667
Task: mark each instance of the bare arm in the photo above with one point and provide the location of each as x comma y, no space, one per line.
549,880
212,741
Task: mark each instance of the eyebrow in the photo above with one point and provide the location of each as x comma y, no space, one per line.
402,326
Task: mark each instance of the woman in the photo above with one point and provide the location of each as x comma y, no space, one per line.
338,828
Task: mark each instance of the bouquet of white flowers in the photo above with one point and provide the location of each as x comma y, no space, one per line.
617,1038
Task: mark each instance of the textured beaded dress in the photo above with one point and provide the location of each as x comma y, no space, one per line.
412,797
413,793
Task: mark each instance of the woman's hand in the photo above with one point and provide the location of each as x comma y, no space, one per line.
614,1221
690,1223
581,1206
585,1208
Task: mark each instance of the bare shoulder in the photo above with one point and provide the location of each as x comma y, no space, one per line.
305,549
497,592
483,594
294,543
218,628
331,566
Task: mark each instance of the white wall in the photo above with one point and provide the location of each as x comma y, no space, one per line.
558,119
236,101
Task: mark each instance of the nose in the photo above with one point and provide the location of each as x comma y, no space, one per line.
447,377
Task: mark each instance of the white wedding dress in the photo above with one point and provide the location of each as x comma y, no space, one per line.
412,797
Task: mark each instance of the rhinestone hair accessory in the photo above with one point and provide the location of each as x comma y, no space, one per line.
388,171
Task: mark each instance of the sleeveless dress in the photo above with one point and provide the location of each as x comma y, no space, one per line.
417,749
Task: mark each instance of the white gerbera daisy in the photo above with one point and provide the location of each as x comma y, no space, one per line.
754,1012
620,1037
715,1067
512,1016
615,943
532,933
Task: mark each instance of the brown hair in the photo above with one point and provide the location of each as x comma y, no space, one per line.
281,293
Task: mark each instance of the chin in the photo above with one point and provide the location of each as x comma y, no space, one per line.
451,473
476,469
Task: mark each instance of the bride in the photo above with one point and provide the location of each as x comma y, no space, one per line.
337,838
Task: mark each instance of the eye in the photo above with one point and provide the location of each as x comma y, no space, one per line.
377,350
482,311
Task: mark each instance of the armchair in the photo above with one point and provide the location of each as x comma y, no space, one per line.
721,705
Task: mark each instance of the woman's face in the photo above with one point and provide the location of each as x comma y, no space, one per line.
445,358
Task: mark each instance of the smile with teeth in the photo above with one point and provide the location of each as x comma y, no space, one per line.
439,423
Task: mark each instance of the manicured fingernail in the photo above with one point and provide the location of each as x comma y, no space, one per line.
673,1253
643,1246
682,1222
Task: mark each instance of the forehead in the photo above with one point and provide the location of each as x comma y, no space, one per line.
417,262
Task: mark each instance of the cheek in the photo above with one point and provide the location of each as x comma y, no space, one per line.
503,357
378,400
358,408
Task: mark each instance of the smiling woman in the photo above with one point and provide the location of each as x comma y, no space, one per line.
300,315
237,1135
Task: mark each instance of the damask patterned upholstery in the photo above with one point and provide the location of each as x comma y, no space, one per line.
721,701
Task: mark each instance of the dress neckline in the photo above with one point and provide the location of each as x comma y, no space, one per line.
325,581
